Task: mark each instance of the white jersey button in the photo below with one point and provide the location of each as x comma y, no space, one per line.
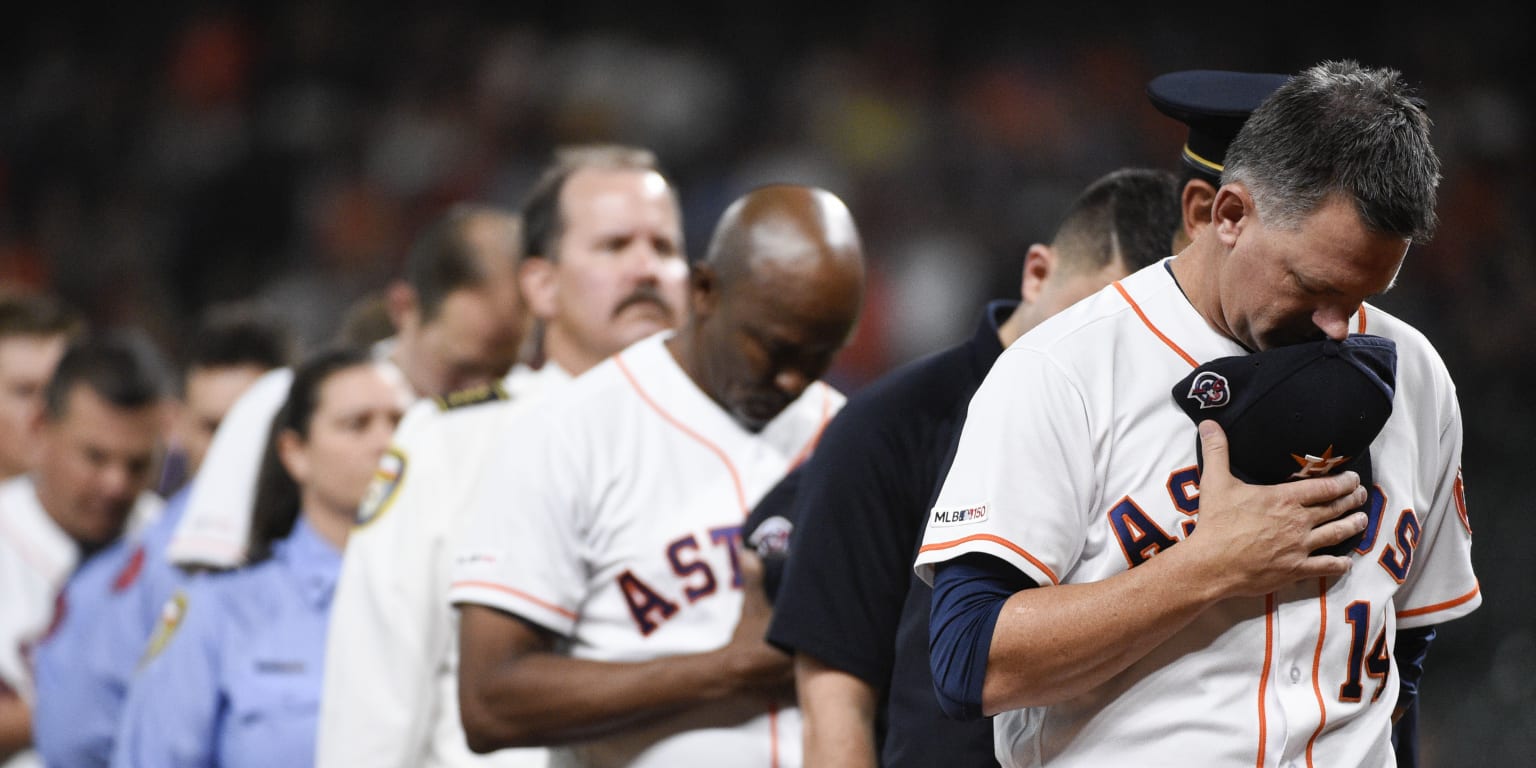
1295,674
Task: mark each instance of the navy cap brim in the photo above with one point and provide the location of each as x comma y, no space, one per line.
1214,104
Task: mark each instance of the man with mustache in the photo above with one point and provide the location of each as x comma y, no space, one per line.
603,267
606,607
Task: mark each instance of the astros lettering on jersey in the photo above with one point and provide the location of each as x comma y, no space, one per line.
1073,468
611,520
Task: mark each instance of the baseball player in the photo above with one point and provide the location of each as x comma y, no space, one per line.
458,324
605,605
1120,597
114,600
865,496
97,440
603,267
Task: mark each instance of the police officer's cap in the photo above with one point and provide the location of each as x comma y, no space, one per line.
1214,104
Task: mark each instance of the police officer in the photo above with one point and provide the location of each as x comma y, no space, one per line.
113,601
232,674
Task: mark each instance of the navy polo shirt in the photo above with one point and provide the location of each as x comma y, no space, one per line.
854,515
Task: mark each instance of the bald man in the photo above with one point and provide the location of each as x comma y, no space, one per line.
606,607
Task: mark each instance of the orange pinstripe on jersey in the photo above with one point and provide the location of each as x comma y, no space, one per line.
996,540
1269,652
1452,603
515,593
741,496
1317,663
1155,332
826,415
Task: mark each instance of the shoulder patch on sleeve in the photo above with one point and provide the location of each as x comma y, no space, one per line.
485,393
382,489
170,620
130,571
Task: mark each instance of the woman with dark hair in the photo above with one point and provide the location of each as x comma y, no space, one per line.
232,676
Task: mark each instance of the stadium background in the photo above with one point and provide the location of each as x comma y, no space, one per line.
158,157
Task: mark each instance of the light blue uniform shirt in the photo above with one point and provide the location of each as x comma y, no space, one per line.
110,607
238,682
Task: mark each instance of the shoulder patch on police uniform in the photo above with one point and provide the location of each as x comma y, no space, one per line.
485,393
171,614
382,489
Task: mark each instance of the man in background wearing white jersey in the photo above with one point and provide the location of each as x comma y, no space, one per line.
606,607
458,324
603,267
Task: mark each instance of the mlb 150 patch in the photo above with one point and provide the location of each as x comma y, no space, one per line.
958,516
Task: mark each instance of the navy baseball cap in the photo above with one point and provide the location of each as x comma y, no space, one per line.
1298,411
1214,104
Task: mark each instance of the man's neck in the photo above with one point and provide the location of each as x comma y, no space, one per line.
564,352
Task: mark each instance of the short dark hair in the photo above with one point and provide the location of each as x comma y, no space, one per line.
543,219
38,315
122,367
1340,128
276,507
1129,214
233,335
443,260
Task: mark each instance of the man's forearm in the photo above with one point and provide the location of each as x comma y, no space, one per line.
1056,642
544,699
838,712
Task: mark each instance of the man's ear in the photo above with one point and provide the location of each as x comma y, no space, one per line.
1231,211
401,303
536,279
1196,201
1039,262
703,290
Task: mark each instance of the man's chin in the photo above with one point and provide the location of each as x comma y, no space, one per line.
639,322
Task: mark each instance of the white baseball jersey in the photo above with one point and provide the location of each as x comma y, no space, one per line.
215,530
610,518
390,696
1076,464
36,559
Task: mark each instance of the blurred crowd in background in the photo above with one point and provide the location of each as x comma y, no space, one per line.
156,159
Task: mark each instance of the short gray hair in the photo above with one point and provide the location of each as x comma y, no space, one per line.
1340,128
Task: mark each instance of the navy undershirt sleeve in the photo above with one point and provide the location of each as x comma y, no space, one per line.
1410,649
968,596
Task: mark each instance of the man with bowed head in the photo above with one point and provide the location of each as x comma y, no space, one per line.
602,267
1076,596
606,606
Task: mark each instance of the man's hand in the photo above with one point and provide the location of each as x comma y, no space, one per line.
756,665
1254,539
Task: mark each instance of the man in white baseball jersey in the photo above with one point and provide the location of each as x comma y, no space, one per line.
606,607
458,324
97,440
1074,592
603,268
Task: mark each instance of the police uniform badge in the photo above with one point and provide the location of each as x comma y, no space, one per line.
171,615
382,489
